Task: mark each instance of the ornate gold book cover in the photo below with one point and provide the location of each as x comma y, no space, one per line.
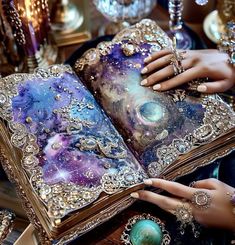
75,159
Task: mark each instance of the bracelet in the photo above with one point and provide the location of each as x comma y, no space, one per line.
227,42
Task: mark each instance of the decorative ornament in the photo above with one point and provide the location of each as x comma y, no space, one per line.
176,59
145,229
185,217
201,200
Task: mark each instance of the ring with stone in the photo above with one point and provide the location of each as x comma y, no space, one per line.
145,229
184,216
176,61
201,199
193,85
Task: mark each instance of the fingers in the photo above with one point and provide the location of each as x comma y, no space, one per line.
215,87
158,76
211,184
164,74
157,55
166,203
185,77
156,64
174,188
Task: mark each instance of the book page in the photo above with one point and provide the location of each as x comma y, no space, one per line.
158,127
71,152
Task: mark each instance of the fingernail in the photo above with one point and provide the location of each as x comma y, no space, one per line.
157,87
135,195
202,88
148,59
144,82
144,70
148,181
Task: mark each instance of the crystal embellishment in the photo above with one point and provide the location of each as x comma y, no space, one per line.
3,99
201,2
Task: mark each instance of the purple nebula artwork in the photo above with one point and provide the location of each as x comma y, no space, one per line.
78,143
146,119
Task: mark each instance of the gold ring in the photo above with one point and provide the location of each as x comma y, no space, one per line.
201,200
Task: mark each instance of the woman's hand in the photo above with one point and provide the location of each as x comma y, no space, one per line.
218,214
210,64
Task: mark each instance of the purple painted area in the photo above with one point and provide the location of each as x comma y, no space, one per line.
61,155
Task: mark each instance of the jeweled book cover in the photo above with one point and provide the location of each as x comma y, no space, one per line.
75,159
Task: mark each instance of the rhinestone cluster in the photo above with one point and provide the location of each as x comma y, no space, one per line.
218,119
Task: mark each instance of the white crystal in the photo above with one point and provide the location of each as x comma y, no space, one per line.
201,2
3,99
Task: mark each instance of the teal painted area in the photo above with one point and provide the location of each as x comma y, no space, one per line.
151,111
146,232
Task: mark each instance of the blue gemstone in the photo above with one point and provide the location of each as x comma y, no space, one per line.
182,148
146,232
201,2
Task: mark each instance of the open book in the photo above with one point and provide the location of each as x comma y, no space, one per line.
77,146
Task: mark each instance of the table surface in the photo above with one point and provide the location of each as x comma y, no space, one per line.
159,14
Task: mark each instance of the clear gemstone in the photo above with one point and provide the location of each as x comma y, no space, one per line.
92,56
201,2
31,148
149,37
201,199
129,177
107,165
57,189
58,97
28,119
55,69
3,99
44,191
30,161
56,146
86,195
185,216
